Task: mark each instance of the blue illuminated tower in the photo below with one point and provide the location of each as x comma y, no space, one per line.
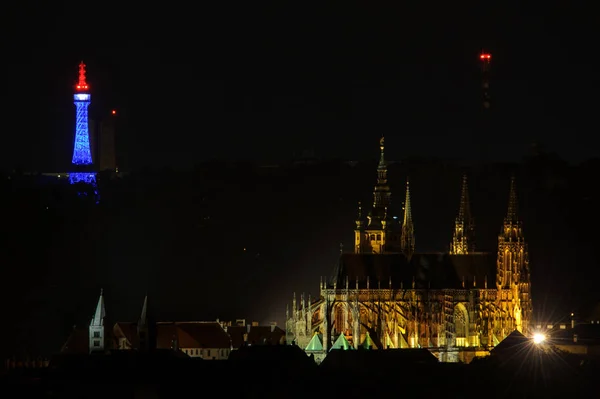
82,154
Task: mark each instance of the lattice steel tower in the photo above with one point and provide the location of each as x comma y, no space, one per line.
82,154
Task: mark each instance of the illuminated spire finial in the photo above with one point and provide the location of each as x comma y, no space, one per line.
82,84
463,241
511,214
407,236
382,148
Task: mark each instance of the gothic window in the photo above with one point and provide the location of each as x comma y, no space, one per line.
339,319
372,237
96,344
96,334
378,237
461,325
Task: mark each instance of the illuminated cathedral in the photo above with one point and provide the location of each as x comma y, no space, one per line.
385,295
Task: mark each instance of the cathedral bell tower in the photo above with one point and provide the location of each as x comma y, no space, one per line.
512,274
379,233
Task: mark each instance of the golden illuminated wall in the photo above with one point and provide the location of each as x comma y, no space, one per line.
406,318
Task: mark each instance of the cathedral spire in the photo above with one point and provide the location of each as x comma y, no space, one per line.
511,214
382,164
463,240
408,233
381,194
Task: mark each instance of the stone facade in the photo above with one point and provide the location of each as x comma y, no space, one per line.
449,302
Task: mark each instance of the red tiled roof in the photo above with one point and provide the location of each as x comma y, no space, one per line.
127,330
209,335
193,335
78,341
258,335
165,334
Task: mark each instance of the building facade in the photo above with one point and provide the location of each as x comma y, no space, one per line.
385,295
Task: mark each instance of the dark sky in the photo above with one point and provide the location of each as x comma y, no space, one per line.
269,80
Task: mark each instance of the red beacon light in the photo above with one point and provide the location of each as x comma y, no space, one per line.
113,112
485,56
82,84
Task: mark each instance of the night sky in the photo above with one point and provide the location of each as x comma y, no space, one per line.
271,81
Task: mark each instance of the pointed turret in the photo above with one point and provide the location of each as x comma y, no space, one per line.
315,344
463,240
96,327
341,343
407,238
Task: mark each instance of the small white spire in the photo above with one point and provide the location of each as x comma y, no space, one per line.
98,319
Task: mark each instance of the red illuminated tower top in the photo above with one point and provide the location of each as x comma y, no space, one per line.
485,59
82,84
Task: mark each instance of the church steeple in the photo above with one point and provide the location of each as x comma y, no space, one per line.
142,326
407,239
96,327
463,240
146,328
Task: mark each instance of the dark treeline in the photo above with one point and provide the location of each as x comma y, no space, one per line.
524,374
234,240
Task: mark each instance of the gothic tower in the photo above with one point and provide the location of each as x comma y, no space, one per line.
408,232
463,240
379,233
512,274
96,328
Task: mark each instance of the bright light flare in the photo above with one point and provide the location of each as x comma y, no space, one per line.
485,56
538,338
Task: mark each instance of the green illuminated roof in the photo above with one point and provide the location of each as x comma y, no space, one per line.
342,343
315,343
368,343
